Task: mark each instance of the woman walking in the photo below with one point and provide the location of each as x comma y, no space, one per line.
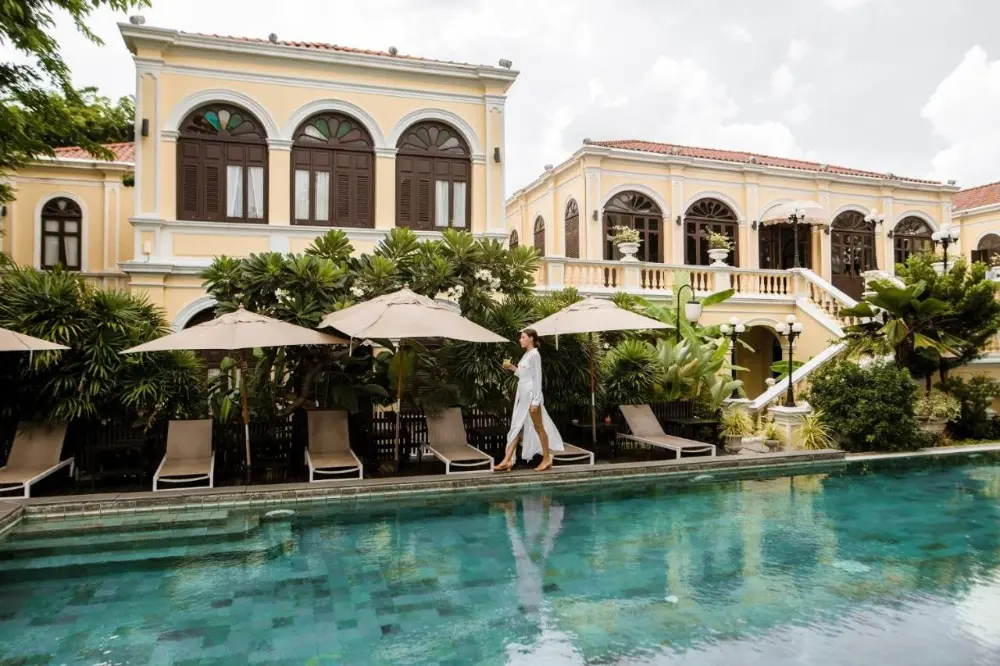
530,423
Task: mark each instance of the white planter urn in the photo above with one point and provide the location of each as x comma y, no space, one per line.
628,251
718,257
734,443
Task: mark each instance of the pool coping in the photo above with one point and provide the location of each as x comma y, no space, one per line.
988,447
365,490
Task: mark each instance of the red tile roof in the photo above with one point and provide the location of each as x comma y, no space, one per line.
744,158
974,197
321,46
123,152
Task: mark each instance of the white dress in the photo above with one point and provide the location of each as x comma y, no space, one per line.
529,392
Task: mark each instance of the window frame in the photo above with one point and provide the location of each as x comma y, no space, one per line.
538,236
638,211
75,214
721,218
420,157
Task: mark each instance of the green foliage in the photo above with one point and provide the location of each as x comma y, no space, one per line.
870,406
630,373
38,103
769,430
781,367
937,406
975,396
692,369
91,380
735,422
815,433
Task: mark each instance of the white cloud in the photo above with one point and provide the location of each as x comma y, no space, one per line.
962,111
842,5
737,33
797,49
798,113
782,80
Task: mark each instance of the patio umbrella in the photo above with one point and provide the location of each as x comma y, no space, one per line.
796,212
18,342
405,315
239,330
593,315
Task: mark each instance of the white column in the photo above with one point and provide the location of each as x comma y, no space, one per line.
676,208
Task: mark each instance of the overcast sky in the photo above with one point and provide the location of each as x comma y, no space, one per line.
908,86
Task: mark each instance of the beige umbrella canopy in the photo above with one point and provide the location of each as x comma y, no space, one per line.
403,315
239,330
594,315
18,342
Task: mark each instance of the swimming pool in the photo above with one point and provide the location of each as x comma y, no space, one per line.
878,564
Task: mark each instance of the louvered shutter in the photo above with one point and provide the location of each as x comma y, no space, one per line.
215,187
404,191
573,236
363,190
978,255
189,165
423,195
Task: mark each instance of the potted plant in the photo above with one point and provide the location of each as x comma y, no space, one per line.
933,411
734,425
719,247
773,437
627,240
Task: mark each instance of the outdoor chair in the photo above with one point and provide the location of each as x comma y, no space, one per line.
447,440
329,452
571,454
646,429
35,455
189,455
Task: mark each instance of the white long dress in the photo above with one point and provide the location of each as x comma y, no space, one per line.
529,392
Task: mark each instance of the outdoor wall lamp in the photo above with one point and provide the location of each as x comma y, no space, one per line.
733,329
496,154
791,329
875,217
595,215
678,220
753,225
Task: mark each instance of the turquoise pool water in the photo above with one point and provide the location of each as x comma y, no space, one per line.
872,565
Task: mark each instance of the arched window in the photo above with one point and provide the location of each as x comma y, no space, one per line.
911,236
513,239
333,172
635,210
540,235
707,216
433,176
62,222
572,230
221,166
988,246
852,252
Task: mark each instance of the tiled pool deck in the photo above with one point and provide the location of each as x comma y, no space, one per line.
12,510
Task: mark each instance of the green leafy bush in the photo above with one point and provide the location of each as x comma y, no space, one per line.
975,396
869,407
937,406
630,372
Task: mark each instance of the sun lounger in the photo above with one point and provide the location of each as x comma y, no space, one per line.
189,455
329,452
571,454
647,430
447,440
34,456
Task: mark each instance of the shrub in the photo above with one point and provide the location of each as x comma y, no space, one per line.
735,422
814,433
937,406
869,407
975,396
630,372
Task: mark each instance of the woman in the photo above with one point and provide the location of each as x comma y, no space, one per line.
531,423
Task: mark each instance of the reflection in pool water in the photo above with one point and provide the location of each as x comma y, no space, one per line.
874,565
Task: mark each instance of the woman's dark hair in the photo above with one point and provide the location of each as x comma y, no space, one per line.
533,334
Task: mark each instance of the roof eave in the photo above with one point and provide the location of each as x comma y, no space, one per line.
84,163
133,33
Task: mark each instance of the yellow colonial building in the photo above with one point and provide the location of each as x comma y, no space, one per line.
252,145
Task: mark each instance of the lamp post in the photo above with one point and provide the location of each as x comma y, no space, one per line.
798,215
945,236
791,329
733,329
692,309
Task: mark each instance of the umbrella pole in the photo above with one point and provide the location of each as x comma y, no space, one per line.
246,413
593,393
399,403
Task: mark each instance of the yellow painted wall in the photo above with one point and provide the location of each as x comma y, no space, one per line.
974,225
105,202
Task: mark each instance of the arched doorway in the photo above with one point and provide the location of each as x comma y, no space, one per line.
572,230
852,252
911,236
635,210
988,246
707,216
766,350
777,246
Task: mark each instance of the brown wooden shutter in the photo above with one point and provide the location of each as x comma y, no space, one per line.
187,186
423,196
215,182
404,191
363,190
573,236
977,255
